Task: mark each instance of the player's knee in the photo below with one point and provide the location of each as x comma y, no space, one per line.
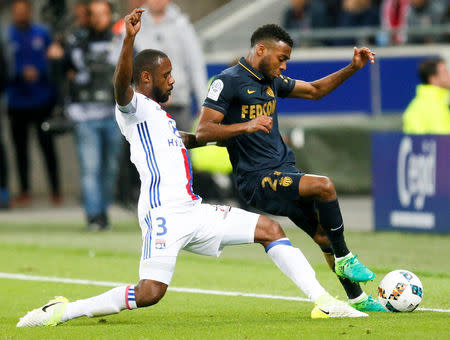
268,231
325,189
274,231
149,293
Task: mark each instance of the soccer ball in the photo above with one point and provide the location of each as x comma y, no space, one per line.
400,291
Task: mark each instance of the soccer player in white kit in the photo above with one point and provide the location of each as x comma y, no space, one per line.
171,216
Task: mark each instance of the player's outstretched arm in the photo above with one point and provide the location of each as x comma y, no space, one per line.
210,129
320,88
123,92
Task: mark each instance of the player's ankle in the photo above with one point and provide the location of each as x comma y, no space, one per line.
344,257
360,298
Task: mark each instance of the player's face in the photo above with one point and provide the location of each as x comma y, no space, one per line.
163,81
273,62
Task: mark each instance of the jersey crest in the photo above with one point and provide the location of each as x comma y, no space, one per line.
269,91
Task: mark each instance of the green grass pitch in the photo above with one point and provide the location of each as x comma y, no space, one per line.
65,250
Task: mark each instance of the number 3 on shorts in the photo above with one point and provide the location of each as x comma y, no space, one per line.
162,225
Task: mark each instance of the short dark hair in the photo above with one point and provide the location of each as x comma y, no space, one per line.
428,68
146,60
270,32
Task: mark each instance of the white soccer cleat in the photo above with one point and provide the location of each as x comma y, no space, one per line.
329,307
48,315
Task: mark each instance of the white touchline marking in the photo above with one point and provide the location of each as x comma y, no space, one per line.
25,277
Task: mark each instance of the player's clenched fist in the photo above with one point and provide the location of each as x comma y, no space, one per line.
261,123
133,22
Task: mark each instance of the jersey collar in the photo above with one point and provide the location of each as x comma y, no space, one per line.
246,66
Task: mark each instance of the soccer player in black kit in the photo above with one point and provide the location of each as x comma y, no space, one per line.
240,111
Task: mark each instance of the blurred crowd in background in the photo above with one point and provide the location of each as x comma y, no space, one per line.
57,76
397,19
59,79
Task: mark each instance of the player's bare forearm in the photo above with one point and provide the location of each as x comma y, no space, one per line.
211,129
331,82
214,132
190,140
123,92
320,88
123,74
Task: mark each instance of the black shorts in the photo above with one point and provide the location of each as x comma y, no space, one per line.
276,192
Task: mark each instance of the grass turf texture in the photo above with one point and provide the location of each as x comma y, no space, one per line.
64,250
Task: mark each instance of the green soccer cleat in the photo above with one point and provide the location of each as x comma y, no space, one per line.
369,304
350,268
48,315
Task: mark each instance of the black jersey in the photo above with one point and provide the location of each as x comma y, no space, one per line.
242,93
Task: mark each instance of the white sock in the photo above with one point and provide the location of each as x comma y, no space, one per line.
360,298
110,302
294,265
344,257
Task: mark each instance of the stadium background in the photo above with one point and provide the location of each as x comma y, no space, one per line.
332,136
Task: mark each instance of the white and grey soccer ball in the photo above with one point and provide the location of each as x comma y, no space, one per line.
400,291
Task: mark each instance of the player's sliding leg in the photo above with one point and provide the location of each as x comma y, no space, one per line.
292,263
356,296
322,190
60,310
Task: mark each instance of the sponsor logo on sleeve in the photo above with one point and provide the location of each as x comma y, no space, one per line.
215,89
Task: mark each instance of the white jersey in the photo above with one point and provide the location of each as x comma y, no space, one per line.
159,155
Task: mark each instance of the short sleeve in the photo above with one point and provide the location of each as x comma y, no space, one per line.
130,108
220,94
284,86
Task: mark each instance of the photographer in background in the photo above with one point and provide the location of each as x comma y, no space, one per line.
91,107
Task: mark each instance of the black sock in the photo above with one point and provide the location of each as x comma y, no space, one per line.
339,246
352,289
330,219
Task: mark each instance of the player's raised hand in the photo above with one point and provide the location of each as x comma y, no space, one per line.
261,123
133,22
361,56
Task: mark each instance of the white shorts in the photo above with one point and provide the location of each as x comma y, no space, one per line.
204,229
